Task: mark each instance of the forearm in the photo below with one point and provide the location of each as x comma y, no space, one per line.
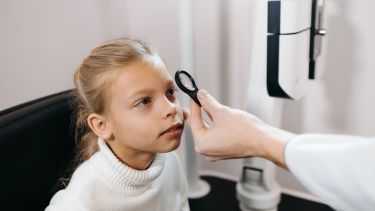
273,145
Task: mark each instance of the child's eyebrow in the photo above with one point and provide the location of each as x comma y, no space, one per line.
141,91
168,84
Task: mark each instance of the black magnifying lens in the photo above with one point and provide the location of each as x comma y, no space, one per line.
187,84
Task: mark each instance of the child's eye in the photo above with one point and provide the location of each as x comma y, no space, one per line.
171,92
144,101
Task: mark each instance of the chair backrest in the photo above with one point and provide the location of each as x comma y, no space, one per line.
36,146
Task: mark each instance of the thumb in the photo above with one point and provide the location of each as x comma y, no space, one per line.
195,118
209,103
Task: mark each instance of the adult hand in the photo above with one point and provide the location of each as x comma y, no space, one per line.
234,133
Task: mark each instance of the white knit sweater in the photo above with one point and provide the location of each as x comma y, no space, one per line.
105,183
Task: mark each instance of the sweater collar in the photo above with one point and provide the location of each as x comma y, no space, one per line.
122,176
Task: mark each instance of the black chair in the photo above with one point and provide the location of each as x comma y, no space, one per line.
36,147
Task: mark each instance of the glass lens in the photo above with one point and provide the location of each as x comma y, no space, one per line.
185,80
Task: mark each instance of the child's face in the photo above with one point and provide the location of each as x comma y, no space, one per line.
144,113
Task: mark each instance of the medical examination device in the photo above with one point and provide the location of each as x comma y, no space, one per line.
293,43
187,84
285,45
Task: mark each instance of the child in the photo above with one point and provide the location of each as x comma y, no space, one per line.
128,107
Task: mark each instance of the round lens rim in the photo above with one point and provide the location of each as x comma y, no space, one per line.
184,82
181,85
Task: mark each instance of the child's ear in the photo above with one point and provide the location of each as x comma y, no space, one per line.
99,125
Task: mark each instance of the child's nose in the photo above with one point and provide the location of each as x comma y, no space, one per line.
169,108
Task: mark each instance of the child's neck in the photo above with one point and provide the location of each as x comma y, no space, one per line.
138,161
135,159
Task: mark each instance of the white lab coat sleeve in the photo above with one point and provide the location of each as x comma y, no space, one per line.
340,170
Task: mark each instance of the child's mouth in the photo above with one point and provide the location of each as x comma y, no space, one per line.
174,131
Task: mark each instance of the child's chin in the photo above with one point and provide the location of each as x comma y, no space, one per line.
173,145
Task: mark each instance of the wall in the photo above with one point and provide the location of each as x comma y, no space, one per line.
42,42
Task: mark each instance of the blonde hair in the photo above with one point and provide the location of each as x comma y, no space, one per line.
92,81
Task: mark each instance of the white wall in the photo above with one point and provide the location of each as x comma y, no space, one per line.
43,41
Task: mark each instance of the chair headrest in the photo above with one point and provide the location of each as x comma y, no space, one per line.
36,145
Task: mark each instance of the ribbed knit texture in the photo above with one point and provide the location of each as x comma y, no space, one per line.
103,182
122,176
